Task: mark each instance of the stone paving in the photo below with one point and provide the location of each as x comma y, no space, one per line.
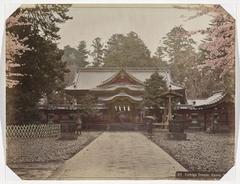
119,155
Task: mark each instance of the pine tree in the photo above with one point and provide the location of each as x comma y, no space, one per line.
70,57
179,47
158,57
154,87
82,54
97,52
127,50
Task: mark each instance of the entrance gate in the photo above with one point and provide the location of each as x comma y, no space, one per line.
124,116
122,111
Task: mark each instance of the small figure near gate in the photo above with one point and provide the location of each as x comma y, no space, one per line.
149,128
149,120
79,125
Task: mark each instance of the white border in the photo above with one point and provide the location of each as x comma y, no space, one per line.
9,6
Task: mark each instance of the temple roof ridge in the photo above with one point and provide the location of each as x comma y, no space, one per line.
100,69
91,77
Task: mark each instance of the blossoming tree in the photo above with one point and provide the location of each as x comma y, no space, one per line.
219,46
14,47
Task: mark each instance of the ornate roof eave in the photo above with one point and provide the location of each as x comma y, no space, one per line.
122,95
118,73
67,107
115,88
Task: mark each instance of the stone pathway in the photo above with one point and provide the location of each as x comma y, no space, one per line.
119,155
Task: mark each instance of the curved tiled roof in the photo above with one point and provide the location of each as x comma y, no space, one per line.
90,78
216,97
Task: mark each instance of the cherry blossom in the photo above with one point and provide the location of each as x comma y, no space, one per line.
14,47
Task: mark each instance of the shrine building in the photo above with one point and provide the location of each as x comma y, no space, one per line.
119,95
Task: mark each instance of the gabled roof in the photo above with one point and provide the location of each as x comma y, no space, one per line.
129,79
90,78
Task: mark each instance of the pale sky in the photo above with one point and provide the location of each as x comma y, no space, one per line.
151,24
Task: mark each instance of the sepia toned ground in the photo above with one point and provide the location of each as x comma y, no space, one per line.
120,155
201,152
113,155
36,159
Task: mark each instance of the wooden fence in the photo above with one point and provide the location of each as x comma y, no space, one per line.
33,131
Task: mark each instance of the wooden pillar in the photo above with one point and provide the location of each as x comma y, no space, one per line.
47,116
169,109
205,121
165,111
